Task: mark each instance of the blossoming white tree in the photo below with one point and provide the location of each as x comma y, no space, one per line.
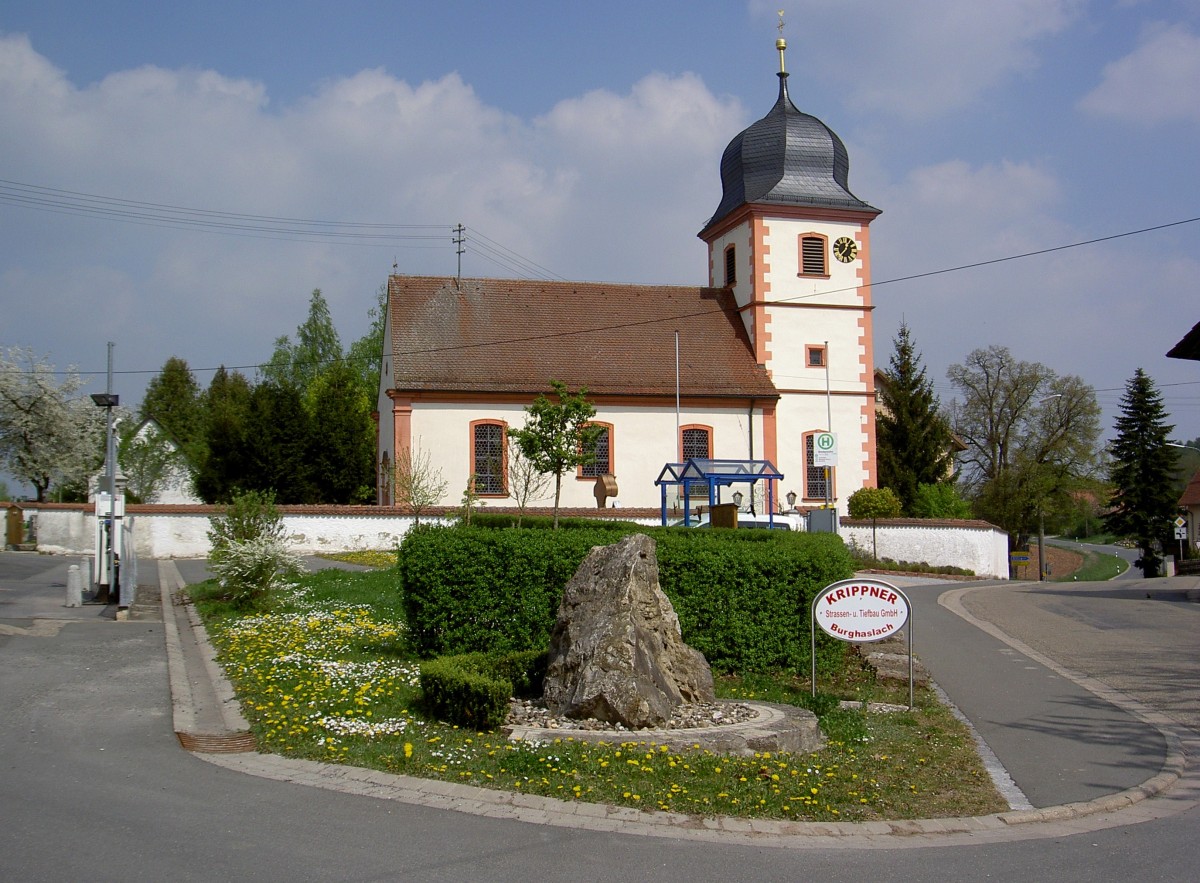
48,434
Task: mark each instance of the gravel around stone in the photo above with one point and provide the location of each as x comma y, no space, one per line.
525,713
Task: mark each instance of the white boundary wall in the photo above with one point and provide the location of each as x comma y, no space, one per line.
972,545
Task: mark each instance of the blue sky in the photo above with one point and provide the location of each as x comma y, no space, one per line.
585,139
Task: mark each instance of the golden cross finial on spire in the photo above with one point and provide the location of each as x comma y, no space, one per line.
781,44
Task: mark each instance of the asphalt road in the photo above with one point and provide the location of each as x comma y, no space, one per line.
93,784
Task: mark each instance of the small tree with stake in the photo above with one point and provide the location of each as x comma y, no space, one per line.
557,436
873,503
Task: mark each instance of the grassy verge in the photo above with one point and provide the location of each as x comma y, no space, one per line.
326,674
1096,567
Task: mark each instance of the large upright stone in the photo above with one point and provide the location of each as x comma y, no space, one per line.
617,653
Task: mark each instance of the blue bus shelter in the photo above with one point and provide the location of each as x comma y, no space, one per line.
715,474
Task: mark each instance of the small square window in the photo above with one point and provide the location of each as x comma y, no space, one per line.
815,356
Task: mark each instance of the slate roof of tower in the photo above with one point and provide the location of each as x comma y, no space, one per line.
513,335
786,158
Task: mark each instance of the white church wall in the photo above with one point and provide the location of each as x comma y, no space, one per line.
68,530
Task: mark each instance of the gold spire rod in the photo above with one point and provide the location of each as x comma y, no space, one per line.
781,44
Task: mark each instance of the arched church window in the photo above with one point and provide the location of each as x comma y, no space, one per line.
730,265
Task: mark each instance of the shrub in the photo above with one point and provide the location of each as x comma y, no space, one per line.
249,516
940,500
248,556
742,597
473,689
249,570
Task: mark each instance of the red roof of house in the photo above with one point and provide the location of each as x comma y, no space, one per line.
1191,493
514,335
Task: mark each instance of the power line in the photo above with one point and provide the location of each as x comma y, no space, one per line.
160,214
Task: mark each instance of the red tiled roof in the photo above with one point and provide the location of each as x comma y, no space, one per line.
513,335
1191,493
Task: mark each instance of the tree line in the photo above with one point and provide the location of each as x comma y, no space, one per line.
1019,447
301,429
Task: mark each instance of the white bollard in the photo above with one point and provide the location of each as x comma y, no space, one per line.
74,586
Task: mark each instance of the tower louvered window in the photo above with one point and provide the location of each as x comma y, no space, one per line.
812,256
730,265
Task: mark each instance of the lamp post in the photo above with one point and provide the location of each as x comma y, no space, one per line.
109,400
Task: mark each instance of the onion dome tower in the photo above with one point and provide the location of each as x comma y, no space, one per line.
786,158
791,242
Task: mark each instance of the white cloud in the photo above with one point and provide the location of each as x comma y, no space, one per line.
605,186
1156,83
921,59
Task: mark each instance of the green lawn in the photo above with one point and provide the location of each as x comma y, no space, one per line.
326,674
1096,567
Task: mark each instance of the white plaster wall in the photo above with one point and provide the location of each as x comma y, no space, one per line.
804,406
644,440
178,535
983,550
782,237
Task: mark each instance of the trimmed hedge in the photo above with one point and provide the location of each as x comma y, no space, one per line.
742,597
473,689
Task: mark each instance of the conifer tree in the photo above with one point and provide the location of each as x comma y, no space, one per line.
343,436
913,439
1143,501
173,400
226,408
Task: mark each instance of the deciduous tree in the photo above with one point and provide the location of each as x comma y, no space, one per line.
49,435
417,483
366,353
557,436
317,346
1029,432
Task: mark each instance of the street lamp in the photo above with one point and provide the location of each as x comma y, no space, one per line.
109,400
737,499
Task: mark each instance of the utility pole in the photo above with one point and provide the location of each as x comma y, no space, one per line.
458,241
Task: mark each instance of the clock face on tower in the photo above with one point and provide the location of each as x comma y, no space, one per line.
845,249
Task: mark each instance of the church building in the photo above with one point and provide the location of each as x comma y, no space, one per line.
774,352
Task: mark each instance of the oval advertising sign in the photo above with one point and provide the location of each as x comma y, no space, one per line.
861,610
